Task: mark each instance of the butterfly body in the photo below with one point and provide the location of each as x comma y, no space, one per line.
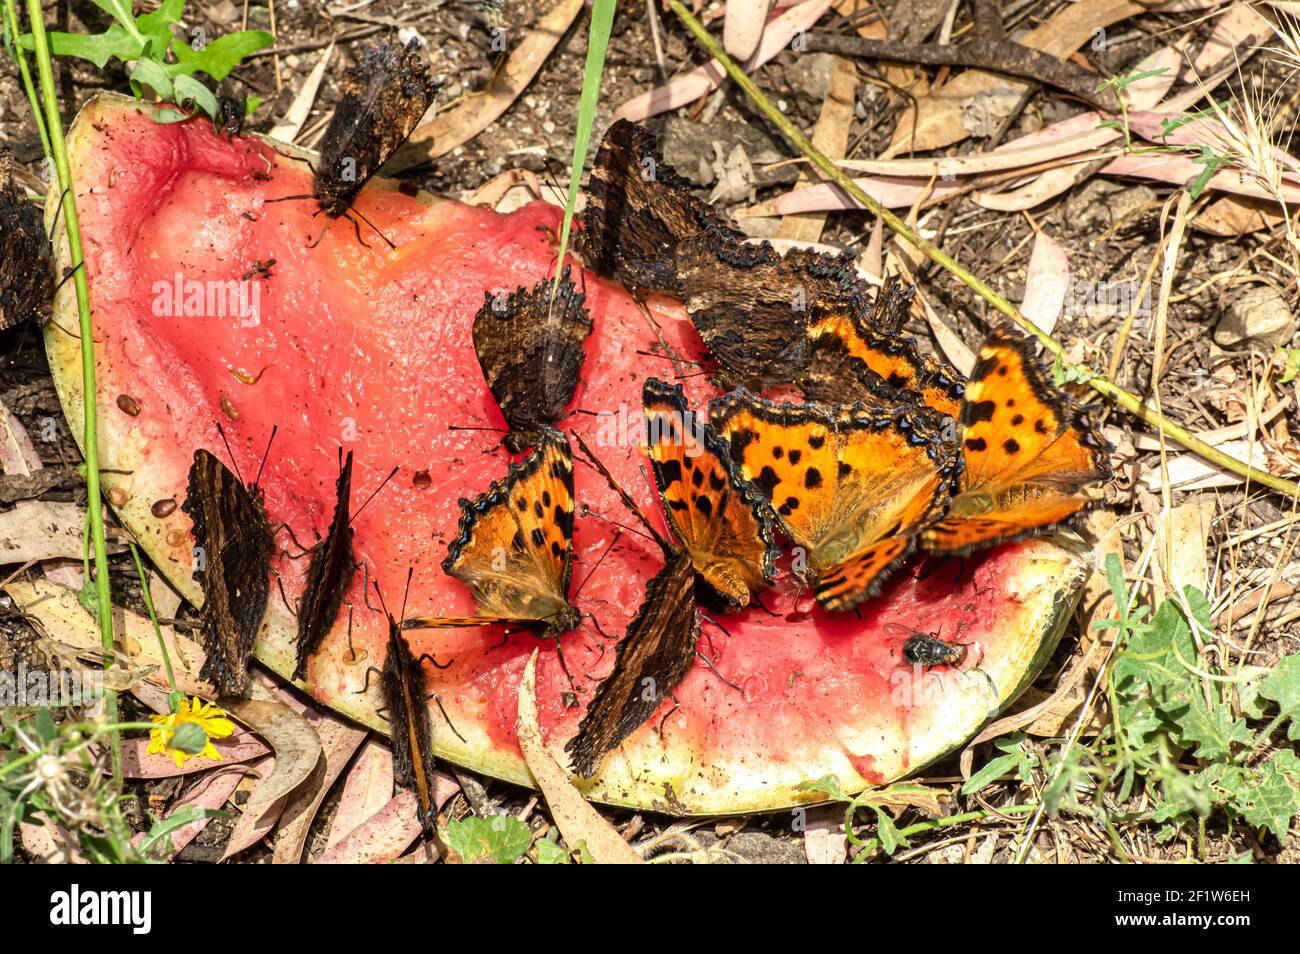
851,486
723,549
530,348
1027,450
381,101
236,541
752,305
851,359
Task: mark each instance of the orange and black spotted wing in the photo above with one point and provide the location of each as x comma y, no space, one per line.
328,575
718,516
752,305
1028,451
514,549
850,358
235,542
850,486
406,692
530,347
638,209
651,662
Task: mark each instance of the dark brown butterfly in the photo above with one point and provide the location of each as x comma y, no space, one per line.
753,306
638,209
406,694
726,550
235,541
330,573
530,347
381,100
26,259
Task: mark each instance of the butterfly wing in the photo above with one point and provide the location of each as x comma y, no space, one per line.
328,575
751,305
530,347
651,661
381,101
235,541
26,259
851,486
840,340
638,209
514,549
1028,451
717,515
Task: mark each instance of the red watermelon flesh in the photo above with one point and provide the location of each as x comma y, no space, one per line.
369,348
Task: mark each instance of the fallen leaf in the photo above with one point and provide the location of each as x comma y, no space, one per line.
445,131
824,841
742,27
42,529
212,791
287,129
1181,537
296,749
367,789
382,837
138,763
831,137
578,822
339,741
689,87
1047,281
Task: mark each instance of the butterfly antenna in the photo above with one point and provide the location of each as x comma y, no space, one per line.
382,604
391,474
586,579
466,427
623,494
287,198
233,463
410,572
266,453
654,326
358,213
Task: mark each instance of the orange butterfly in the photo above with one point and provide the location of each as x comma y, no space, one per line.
1028,451
851,486
515,546
725,534
850,359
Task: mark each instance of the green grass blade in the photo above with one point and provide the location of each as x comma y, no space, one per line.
602,20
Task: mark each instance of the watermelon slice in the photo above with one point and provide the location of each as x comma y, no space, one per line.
370,348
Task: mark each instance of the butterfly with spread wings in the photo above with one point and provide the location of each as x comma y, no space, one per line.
725,551
514,548
1028,451
851,486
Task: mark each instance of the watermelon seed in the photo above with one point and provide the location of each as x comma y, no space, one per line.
163,508
421,480
117,496
229,408
128,405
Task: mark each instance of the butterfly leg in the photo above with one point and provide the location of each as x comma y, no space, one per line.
365,686
434,662
564,665
362,217
668,715
758,600
365,585
302,550
709,662
293,610
451,725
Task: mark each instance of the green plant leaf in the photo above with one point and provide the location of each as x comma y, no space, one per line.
550,852
156,27
1210,727
148,73
1271,802
501,839
1282,686
828,785
99,48
891,839
188,89
1014,757
220,56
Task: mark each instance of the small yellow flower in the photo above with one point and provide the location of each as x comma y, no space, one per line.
211,719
